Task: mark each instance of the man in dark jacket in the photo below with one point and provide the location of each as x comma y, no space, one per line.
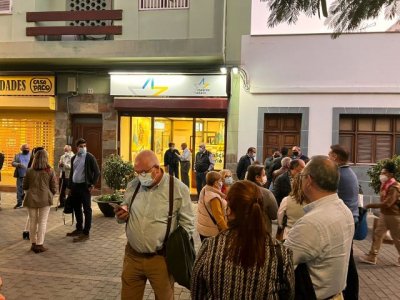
282,184
82,178
171,160
204,162
276,164
244,162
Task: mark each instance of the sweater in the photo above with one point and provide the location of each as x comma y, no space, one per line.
216,277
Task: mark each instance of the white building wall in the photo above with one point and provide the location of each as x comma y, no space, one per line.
319,73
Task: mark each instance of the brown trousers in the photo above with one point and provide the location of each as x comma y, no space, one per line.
137,268
385,223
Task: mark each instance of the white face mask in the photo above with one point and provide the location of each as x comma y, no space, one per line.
228,180
264,180
383,178
146,180
82,150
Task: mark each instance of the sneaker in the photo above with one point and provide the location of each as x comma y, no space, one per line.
83,237
18,206
76,232
368,259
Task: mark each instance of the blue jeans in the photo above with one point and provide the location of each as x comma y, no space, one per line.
81,198
20,191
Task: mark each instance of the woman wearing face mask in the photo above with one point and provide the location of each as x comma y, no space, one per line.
390,214
211,215
227,180
256,174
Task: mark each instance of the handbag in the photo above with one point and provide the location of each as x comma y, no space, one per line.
68,207
284,286
362,229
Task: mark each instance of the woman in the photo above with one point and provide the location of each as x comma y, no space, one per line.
291,207
211,207
227,180
389,218
256,174
243,262
40,186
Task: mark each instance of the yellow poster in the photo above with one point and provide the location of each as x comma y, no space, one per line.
27,85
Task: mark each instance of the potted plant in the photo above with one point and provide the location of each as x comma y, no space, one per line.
375,171
116,173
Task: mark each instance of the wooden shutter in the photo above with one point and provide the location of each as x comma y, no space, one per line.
364,148
5,6
383,146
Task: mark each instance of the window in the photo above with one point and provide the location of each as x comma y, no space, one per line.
370,138
163,4
5,6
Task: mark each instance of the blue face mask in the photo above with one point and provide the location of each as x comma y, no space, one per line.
146,180
228,180
82,150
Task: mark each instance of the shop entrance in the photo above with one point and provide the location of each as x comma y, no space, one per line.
155,133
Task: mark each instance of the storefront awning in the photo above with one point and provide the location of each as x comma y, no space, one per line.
28,102
147,104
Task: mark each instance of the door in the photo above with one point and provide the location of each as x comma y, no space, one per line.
89,128
281,130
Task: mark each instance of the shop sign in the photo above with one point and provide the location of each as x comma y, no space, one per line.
168,85
27,85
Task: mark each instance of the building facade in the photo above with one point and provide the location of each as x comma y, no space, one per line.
80,43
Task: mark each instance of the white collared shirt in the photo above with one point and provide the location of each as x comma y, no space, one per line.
322,239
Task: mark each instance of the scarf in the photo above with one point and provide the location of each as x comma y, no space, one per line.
386,185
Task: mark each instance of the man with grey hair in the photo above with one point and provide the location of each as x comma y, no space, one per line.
64,165
284,168
322,238
20,163
204,162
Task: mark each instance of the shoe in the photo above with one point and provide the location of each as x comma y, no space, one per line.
18,206
39,248
60,206
368,259
83,237
25,235
76,232
33,247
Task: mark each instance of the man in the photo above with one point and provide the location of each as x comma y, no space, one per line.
269,160
285,167
1,166
82,178
146,217
322,237
20,163
171,160
244,162
296,154
347,191
65,167
203,163
282,184
276,164
185,163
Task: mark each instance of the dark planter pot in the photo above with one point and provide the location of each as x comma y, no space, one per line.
106,209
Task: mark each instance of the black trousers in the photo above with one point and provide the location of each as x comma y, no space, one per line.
174,170
81,198
352,283
63,183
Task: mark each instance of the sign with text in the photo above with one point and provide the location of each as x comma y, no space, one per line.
27,85
168,85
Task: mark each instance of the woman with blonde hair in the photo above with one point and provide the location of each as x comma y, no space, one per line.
211,207
227,180
40,186
291,208
245,256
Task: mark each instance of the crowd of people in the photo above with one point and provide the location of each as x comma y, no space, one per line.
315,203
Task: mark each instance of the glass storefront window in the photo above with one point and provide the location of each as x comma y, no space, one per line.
155,133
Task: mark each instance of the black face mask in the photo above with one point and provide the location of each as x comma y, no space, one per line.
295,153
25,152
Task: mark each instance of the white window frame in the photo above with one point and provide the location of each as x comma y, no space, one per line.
156,4
6,3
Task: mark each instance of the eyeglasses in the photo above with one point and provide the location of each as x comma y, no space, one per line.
142,173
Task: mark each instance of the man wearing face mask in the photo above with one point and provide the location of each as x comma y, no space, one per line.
389,218
20,163
296,154
145,211
171,160
282,184
82,178
204,162
185,163
244,162
65,167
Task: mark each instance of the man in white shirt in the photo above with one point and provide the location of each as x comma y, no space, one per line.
64,165
185,163
322,237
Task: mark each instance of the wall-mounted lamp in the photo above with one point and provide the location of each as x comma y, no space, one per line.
235,70
223,70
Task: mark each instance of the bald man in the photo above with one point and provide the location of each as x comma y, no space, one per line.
146,216
20,163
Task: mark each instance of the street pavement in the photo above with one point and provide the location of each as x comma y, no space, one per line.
91,269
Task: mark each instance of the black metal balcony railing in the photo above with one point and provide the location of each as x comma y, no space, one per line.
88,15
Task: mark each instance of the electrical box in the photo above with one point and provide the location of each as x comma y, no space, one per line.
71,85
